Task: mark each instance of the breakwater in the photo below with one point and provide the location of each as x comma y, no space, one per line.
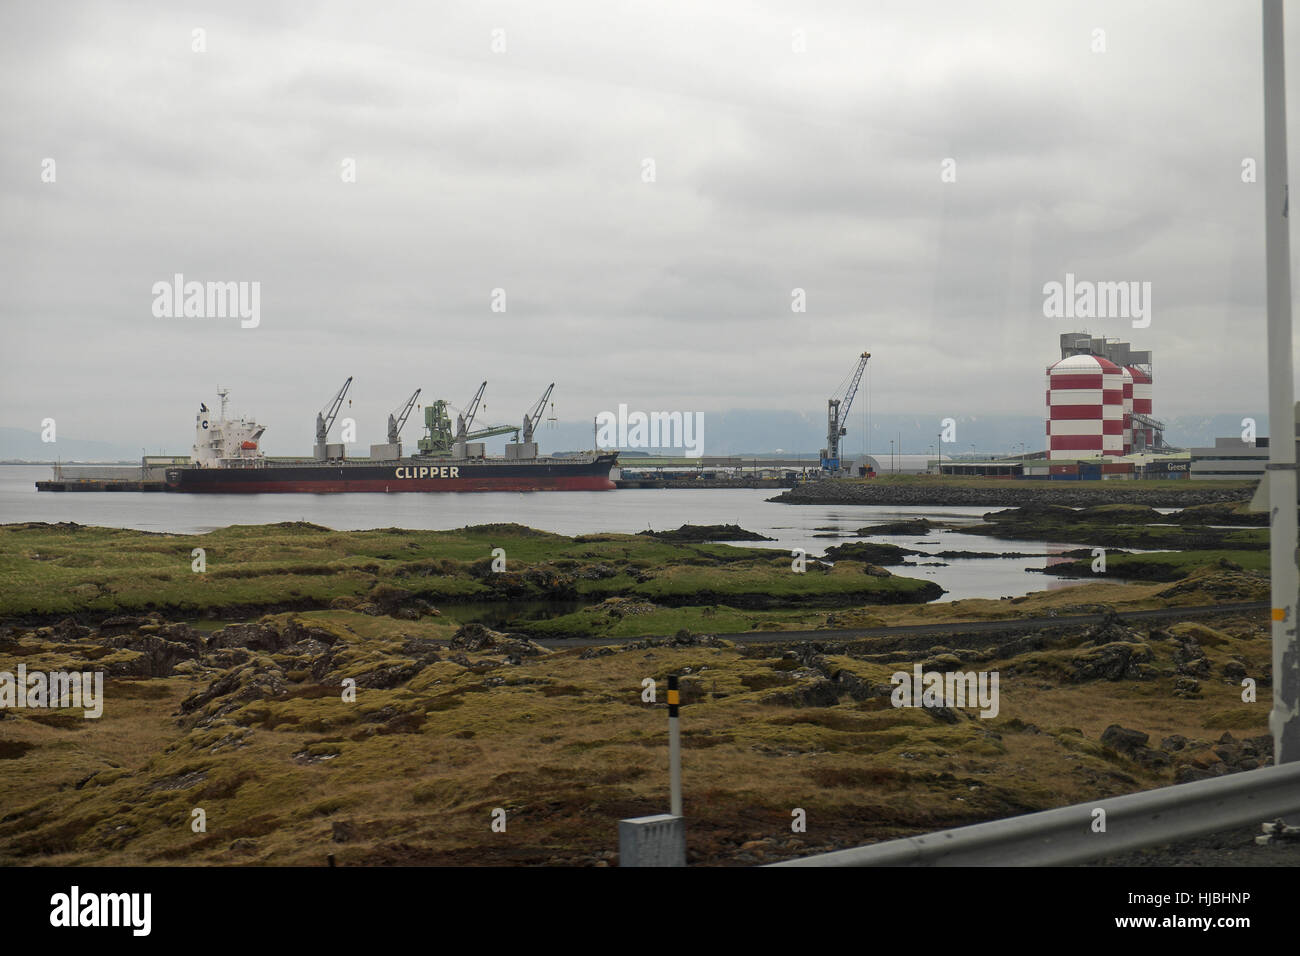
1006,494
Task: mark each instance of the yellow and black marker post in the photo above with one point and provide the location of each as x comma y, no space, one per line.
674,748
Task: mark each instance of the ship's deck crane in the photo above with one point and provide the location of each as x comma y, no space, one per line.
397,420
325,417
837,412
531,419
465,420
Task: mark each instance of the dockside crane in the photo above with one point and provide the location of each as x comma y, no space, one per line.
397,420
837,412
325,417
531,419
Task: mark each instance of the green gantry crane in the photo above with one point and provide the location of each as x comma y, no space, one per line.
439,435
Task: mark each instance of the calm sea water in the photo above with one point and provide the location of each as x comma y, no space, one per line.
569,513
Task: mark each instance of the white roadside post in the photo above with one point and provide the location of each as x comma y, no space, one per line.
1281,475
659,840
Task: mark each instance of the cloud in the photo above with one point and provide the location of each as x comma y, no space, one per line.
774,170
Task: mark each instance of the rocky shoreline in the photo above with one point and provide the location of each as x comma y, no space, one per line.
999,494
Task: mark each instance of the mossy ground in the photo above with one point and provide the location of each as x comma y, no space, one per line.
288,772
566,746
54,570
1214,535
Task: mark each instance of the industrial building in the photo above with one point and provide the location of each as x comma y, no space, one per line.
896,464
1099,400
1133,466
1231,458
1236,458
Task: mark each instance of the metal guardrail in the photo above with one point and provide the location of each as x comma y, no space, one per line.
1065,835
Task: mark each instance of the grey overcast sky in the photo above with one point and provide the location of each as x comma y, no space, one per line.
523,170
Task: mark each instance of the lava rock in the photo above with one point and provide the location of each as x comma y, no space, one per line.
1188,774
820,693
1234,670
1123,740
1111,630
68,630
476,637
158,656
1117,661
389,675
853,685
125,623
255,637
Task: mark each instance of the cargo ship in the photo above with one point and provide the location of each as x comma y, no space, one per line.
227,457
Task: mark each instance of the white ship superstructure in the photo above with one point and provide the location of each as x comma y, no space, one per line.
219,442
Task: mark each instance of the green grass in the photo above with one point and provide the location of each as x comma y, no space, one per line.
1164,565
775,584
48,570
1121,526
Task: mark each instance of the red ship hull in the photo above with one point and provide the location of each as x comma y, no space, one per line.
586,483
407,475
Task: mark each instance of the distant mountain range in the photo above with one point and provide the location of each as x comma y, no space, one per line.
788,434
737,432
17,444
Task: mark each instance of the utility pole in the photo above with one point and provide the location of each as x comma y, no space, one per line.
1281,473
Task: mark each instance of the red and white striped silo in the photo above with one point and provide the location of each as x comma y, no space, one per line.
1127,379
1141,404
1085,408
